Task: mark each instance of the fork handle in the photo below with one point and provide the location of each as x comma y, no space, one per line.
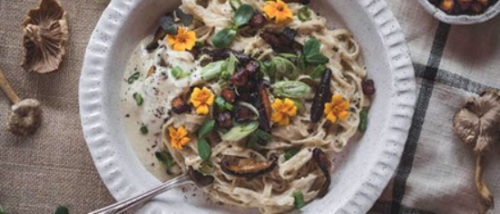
122,206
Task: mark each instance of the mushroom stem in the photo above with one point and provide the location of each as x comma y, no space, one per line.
4,84
486,196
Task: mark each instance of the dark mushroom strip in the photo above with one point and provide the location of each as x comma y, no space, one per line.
240,77
247,167
228,95
264,106
243,114
321,160
223,53
283,42
322,96
200,179
258,20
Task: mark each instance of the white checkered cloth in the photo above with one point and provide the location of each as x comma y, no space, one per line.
451,63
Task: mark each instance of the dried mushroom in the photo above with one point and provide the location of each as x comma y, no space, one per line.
478,124
25,117
45,35
324,164
246,167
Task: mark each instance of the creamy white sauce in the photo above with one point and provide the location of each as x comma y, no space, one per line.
157,92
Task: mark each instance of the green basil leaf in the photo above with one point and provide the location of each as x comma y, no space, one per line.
304,14
316,59
363,120
206,128
290,153
61,210
165,158
204,149
243,15
138,98
301,62
224,38
207,167
144,129
133,77
184,17
291,89
178,73
311,47
318,72
240,131
167,23
298,199
263,136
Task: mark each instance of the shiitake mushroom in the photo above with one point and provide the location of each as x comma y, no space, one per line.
247,167
321,96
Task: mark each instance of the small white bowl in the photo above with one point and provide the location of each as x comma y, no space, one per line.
491,12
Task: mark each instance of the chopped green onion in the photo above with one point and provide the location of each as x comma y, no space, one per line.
298,199
62,210
178,73
206,128
204,149
284,67
222,104
207,167
240,131
133,77
363,120
212,70
291,89
165,158
144,129
138,98
290,153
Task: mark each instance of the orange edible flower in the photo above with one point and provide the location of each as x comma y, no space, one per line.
337,109
283,110
184,40
278,10
202,99
178,137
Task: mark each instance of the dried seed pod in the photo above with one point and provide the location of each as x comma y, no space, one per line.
321,96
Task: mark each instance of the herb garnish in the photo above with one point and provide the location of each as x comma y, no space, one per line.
178,73
304,14
204,149
318,72
144,129
167,23
133,77
363,120
186,19
138,98
225,37
207,167
312,54
299,199
206,128
222,104
165,158
259,136
290,153
62,210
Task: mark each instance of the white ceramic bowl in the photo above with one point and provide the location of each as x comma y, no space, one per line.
490,13
356,184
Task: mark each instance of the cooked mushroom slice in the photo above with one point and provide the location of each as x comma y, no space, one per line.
45,35
179,106
264,106
324,164
247,167
223,53
321,97
200,179
477,124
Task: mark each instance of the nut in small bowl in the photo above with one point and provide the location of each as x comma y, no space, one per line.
462,12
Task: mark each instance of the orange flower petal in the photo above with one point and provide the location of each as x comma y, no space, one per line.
343,115
336,99
202,109
331,117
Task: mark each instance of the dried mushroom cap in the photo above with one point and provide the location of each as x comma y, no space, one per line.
25,117
45,35
478,122
246,167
